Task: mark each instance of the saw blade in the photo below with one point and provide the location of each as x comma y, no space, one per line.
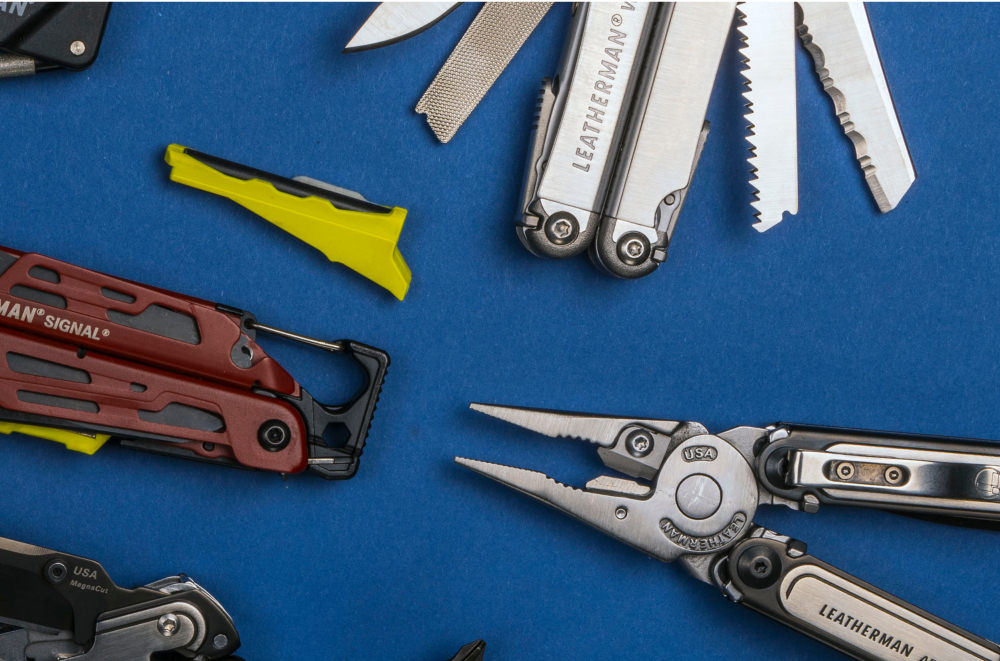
768,33
839,38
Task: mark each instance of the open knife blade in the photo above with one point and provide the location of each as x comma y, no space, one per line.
839,38
392,22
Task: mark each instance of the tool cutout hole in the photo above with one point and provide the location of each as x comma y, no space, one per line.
332,378
161,321
42,273
336,435
38,296
69,403
116,295
23,364
182,415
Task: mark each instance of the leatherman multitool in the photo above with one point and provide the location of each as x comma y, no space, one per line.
694,496
620,131
44,36
56,606
839,38
85,357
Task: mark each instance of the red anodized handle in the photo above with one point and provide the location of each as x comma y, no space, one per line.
53,299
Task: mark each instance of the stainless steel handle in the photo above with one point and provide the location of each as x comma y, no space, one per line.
945,477
584,111
774,576
665,135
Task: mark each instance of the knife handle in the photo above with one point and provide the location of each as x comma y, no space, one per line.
774,576
943,477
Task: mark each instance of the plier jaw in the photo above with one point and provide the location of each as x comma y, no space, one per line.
633,446
702,493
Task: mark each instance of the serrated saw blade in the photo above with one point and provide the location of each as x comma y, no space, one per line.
769,53
839,38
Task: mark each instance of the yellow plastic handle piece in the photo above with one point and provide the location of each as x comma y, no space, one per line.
363,241
76,441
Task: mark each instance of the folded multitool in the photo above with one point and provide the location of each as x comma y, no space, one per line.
56,606
620,131
703,491
43,36
85,357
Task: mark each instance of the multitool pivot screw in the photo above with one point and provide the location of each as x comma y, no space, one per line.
639,443
274,435
893,475
758,566
78,48
168,624
561,229
56,571
633,248
845,470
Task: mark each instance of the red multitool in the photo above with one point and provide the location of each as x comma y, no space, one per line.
86,356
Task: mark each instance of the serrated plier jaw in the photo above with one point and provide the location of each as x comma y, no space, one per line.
702,492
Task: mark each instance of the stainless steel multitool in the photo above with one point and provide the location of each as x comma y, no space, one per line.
699,492
620,131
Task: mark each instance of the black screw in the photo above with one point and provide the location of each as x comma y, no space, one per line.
56,571
274,435
759,566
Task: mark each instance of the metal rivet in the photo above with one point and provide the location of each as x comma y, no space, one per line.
845,470
621,512
220,641
56,571
78,48
670,199
168,624
893,475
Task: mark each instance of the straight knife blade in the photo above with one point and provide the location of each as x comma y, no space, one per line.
839,38
392,22
769,52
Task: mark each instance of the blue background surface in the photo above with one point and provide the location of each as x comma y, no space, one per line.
838,316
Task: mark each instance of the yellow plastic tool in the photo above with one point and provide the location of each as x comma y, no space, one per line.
341,224
76,441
